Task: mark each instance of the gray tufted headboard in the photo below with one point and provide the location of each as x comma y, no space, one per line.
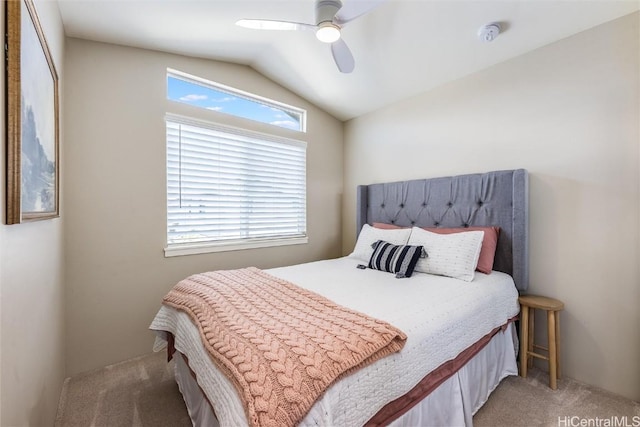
498,198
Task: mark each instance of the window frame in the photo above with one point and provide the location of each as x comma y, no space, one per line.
189,78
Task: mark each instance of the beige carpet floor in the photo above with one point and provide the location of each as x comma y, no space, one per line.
530,402
142,393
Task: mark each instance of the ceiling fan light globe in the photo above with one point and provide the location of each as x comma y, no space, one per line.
328,32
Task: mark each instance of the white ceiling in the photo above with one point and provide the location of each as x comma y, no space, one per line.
402,48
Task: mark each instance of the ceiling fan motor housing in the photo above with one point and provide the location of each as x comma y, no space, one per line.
326,10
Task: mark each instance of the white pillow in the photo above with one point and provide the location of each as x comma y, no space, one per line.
369,235
454,255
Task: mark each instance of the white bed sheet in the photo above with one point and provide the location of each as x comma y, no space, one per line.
441,317
452,403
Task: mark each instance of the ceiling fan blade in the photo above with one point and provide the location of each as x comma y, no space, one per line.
353,9
266,24
343,57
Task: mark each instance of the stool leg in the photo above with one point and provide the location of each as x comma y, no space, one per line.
524,340
557,315
553,355
532,317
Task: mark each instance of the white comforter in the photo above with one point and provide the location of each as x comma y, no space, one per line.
441,317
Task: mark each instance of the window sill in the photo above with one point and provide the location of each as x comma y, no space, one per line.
181,250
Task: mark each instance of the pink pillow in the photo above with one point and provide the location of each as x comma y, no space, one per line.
384,226
489,244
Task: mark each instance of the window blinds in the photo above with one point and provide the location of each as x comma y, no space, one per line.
229,185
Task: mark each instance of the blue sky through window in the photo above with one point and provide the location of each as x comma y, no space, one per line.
209,98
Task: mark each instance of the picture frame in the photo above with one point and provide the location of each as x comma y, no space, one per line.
32,132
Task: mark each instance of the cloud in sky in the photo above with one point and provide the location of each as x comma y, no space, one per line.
285,123
193,98
225,99
214,108
275,109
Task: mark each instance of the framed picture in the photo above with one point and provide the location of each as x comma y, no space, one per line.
32,118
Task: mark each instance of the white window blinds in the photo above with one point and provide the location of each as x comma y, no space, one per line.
226,186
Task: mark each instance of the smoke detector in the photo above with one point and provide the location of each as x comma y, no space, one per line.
488,32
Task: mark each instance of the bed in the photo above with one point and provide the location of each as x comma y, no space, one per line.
461,339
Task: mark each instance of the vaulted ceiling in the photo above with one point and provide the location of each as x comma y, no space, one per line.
401,48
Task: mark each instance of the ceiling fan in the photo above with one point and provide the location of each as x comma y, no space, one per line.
331,16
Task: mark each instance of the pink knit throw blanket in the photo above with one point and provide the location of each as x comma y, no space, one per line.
281,345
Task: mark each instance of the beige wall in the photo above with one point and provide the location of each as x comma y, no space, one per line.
115,203
568,113
31,288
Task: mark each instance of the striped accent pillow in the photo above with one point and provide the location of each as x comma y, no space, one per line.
398,259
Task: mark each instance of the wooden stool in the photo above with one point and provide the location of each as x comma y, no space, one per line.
553,308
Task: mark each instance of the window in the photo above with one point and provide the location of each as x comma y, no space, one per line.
212,96
229,188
